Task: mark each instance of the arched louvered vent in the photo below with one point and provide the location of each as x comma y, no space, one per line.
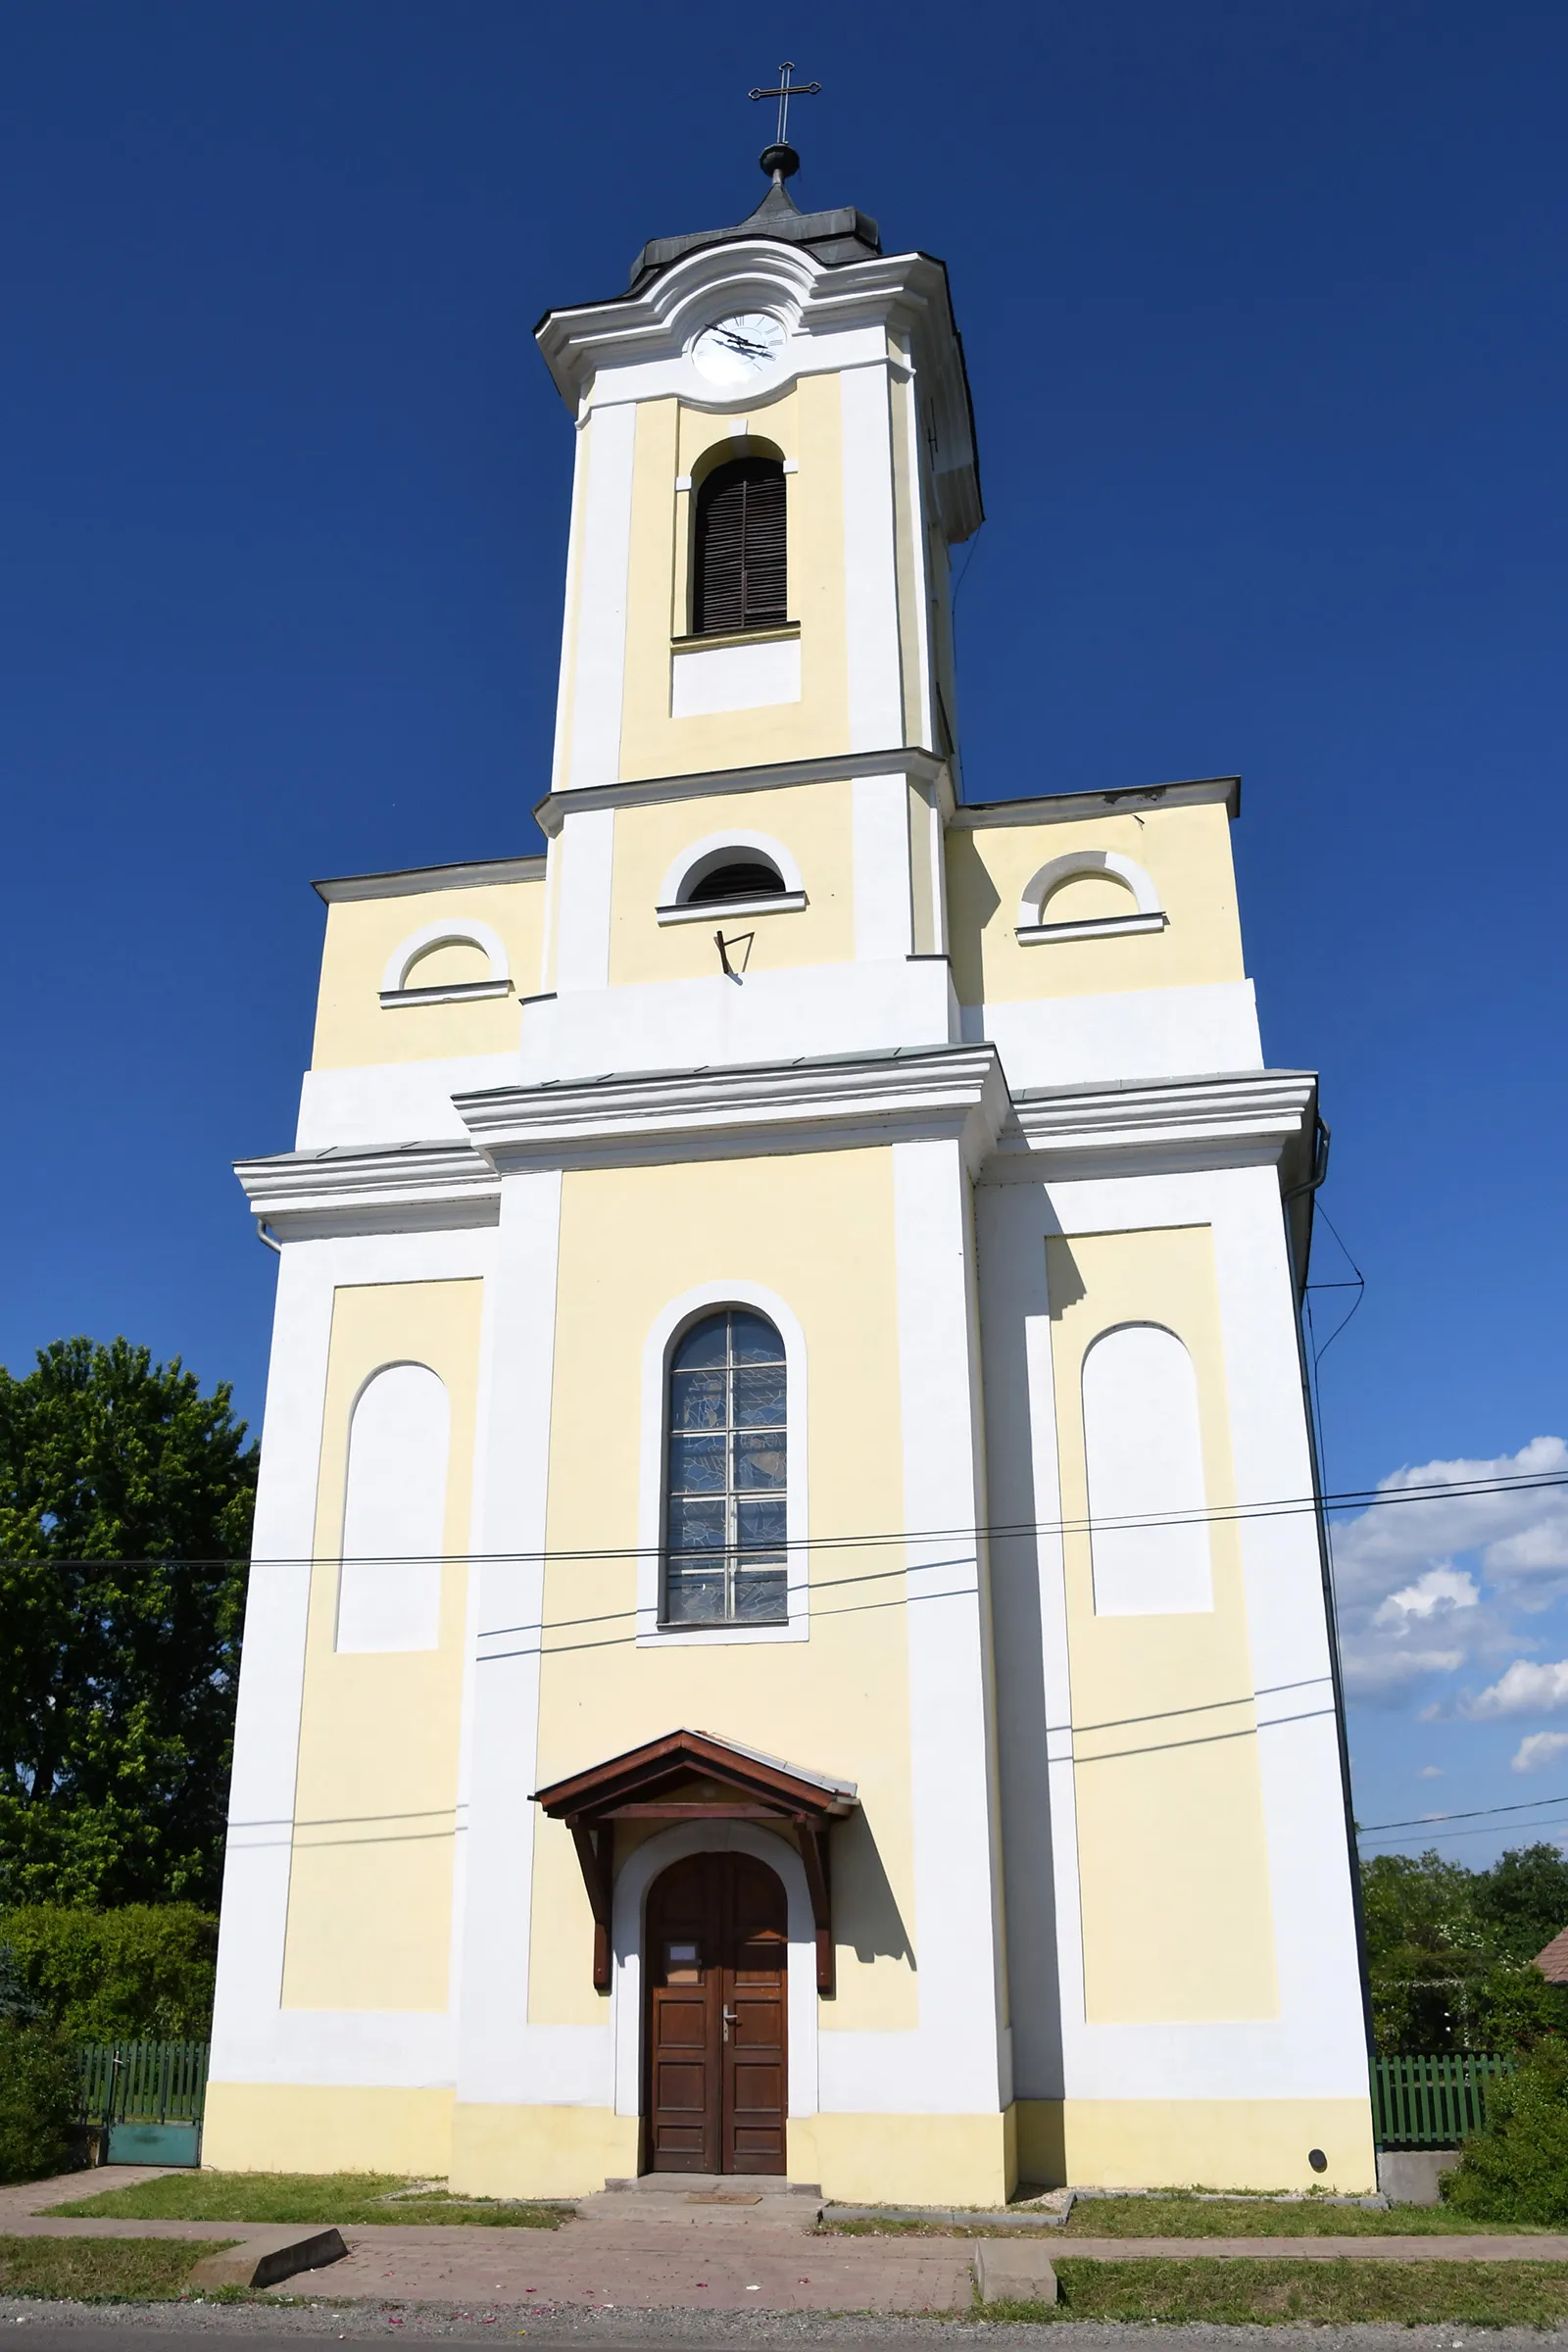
739,572
748,879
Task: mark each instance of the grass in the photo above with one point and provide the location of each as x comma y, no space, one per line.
102,2270
1177,2216
346,2198
1226,2293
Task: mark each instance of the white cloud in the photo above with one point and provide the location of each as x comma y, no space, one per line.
1438,1588
1538,1749
1429,1772
1409,1612
1525,1690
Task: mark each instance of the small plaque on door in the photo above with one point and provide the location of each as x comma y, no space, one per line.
683,1964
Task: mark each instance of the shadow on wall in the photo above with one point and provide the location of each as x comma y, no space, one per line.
972,901
866,1909
1067,1285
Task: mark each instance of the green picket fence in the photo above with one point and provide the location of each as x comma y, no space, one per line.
150,2096
1432,2102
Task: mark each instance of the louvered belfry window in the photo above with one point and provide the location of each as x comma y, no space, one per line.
739,578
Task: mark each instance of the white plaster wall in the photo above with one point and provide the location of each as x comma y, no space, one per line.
1141,1033
394,1101
734,677
765,1017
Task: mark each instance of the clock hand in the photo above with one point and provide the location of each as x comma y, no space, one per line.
741,343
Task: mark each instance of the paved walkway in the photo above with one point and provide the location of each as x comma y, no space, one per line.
658,2250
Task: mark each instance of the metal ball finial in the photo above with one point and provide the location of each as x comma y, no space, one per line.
780,162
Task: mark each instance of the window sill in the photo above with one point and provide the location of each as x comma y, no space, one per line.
770,633
466,992
777,901
1101,926
795,1628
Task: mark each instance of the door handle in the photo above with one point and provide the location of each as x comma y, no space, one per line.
731,2019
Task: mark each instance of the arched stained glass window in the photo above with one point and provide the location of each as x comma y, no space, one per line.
724,1526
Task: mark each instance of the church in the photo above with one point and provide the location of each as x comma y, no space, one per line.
773,1644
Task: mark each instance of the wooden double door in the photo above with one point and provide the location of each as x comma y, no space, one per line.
716,1956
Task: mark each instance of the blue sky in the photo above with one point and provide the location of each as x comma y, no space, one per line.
1265,315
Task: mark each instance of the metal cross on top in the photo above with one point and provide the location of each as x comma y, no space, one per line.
784,93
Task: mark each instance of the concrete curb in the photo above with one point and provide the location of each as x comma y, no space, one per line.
958,2217
264,2257
1006,2272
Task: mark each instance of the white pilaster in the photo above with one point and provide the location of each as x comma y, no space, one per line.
960,2064
871,582
496,2059
599,634
586,851
879,833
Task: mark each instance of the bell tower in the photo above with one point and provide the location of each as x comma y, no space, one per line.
792,336
775,455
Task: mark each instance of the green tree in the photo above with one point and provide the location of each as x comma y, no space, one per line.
126,1499
1522,1901
40,2093
1517,2169
142,1972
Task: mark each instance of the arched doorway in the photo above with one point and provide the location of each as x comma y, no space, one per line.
716,2062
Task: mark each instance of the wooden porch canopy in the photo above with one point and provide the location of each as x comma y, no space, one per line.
690,1776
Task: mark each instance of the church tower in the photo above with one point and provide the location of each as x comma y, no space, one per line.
763,1654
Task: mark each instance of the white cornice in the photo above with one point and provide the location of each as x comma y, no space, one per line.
911,760
306,1196
747,1111
1142,1128
1063,808
470,875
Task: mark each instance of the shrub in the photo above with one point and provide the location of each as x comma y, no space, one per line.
1517,2169
39,2099
143,1972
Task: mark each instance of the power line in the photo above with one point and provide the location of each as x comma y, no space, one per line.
1421,1821
1359,1498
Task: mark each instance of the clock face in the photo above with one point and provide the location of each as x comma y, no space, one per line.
735,351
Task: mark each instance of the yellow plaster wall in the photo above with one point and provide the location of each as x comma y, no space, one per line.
352,1027
1188,2143
541,2151
811,820
906,2159
369,1907
805,422
314,2128
1173,1868
1187,852
817,1230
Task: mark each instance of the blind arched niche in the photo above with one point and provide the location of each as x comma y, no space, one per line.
1142,1446
394,1510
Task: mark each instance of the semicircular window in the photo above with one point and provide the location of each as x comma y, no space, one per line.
746,878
